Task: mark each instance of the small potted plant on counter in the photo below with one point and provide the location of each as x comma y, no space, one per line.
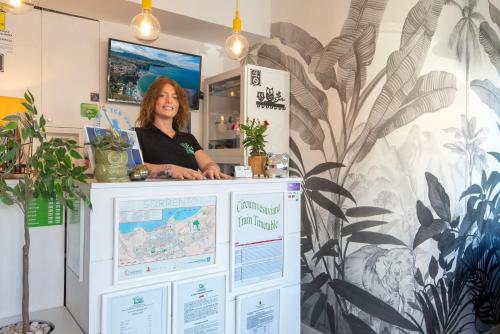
254,133
48,171
110,155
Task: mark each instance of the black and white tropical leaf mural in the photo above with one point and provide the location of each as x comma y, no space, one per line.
396,251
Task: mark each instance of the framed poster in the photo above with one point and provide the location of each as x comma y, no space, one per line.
200,305
75,239
257,243
164,234
258,313
143,310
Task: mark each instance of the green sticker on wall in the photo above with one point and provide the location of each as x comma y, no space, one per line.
44,211
89,110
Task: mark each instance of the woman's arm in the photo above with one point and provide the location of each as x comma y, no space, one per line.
208,167
173,171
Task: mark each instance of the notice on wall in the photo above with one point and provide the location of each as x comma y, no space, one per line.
257,238
6,41
160,235
75,239
44,211
259,313
199,306
136,311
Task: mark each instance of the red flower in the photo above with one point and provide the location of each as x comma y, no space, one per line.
266,123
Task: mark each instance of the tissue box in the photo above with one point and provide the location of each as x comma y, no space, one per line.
242,171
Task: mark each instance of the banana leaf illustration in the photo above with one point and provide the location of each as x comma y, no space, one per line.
488,93
489,40
296,38
404,97
495,14
307,126
362,23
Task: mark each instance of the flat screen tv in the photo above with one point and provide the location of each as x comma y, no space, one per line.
132,68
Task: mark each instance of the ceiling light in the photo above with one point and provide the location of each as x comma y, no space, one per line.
18,6
236,44
145,26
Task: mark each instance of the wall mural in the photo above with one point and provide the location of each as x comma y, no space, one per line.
375,258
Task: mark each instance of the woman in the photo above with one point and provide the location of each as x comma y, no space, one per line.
166,150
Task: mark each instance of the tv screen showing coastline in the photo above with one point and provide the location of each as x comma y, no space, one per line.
132,68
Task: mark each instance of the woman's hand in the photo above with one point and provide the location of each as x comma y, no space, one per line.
174,172
213,172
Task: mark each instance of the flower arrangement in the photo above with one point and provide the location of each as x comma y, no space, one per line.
254,136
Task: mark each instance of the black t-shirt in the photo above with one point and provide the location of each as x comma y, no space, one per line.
158,148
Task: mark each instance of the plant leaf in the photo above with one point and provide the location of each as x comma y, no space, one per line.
318,309
424,215
330,248
321,184
432,92
370,304
314,286
323,167
326,204
365,211
433,267
423,17
295,37
359,226
488,93
358,326
438,197
489,40
473,189
363,13
426,232
308,127
374,238
302,89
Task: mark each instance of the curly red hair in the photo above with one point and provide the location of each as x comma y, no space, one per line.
147,112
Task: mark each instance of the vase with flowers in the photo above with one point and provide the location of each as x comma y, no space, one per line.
254,141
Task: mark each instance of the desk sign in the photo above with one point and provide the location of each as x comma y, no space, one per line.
136,311
199,305
258,313
257,238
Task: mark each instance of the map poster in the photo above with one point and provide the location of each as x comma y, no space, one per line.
257,239
143,310
259,313
199,306
160,235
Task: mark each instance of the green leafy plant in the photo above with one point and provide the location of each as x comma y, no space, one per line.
255,133
49,172
110,141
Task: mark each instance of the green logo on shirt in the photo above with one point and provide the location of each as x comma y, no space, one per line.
189,149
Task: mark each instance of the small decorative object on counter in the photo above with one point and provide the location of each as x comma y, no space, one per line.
254,140
277,165
242,171
139,173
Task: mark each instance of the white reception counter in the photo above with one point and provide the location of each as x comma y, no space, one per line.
186,257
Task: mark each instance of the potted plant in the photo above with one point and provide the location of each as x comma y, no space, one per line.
254,139
48,169
110,155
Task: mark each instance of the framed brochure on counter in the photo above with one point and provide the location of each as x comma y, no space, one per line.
257,238
142,310
200,305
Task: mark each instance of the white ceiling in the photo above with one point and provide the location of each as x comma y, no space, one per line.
122,11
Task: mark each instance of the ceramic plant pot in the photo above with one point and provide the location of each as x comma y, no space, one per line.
257,164
111,166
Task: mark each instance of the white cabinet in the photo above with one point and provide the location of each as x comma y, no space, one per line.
245,93
56,57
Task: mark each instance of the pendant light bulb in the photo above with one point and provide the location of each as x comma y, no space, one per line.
236,44
18,7
145,26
